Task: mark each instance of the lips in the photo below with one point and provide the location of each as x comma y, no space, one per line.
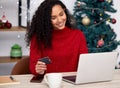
60,24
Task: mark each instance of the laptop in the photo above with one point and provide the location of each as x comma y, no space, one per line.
94,67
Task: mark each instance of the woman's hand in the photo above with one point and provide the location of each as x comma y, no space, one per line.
40,67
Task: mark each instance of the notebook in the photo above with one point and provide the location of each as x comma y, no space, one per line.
94,67
6,80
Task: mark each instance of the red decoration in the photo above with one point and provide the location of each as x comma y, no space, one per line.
101,0
8,25
100,43
113,21
95,22
4,23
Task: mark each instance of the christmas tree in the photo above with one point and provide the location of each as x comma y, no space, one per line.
92,17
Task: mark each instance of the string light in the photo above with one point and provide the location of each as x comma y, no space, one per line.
1,6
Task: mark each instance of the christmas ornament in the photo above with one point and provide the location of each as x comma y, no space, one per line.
113,21
100,42
86,21
8,25
101,14
78,4
101,0
95,22
4,24
109,1
108,20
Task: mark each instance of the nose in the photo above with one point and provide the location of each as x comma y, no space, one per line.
59,19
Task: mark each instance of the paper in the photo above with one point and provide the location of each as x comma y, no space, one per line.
5,80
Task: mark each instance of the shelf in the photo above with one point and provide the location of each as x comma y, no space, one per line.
14,28
7,59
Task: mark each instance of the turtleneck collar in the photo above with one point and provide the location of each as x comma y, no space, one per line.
61,33
66,29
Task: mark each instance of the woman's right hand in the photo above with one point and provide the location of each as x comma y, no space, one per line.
40,67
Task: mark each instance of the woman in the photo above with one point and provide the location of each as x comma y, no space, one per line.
51,34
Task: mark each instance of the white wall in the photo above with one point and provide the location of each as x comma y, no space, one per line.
9,38
116,26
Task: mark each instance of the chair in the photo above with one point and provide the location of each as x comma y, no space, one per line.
21,67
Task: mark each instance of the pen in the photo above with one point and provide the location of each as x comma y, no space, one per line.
11,78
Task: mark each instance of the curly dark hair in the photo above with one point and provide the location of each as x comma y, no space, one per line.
41,25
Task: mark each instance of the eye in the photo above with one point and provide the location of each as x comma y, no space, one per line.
61,14
53,18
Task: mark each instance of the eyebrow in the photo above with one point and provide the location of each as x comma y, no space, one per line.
59,13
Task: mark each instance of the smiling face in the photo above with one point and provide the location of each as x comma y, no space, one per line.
58,17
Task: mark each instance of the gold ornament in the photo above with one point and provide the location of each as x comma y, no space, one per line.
85,21
108,20
100,14
78,4
109,1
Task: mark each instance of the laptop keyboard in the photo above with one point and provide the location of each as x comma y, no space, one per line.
71,78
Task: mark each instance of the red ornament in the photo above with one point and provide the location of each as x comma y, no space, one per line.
101,0
8,25
113,21
100,43
95,22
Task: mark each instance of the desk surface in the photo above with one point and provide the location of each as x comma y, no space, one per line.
7,59
25,82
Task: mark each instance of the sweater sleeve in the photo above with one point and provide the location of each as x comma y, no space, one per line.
83,44
34,55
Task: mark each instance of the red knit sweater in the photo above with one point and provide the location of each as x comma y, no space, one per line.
67,44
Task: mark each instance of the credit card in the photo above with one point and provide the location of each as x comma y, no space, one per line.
45,60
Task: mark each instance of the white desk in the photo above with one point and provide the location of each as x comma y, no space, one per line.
25,83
